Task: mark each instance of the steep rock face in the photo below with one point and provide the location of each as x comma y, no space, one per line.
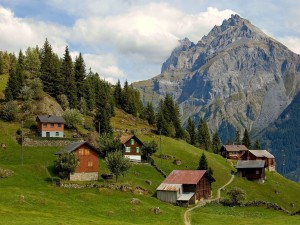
236,76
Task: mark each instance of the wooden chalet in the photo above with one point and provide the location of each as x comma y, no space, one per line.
233,151
251,169
131,147
88,155
261,155
50,126
184,187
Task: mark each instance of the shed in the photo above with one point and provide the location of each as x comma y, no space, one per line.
251,169
169,192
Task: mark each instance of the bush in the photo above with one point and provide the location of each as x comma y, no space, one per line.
236,196
65,164
73,118
9,111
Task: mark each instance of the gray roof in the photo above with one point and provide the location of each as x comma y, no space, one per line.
262,153
73,146
186,196
50,119
247,164
168,187
235,148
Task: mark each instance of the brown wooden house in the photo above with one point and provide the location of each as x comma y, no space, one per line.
88,161
261,155
50,126
251,169
233,151
132,147
185,187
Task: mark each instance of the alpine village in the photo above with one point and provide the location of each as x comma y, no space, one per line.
189,146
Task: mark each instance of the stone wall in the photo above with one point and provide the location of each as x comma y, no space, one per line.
32,142
84,176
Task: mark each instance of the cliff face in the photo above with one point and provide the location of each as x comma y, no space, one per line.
236,77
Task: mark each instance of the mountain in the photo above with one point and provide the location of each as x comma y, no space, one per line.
236,77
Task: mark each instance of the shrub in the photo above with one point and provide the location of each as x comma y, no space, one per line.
236,196
9,111
66,164
73,118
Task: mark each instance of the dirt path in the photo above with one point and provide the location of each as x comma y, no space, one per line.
187,219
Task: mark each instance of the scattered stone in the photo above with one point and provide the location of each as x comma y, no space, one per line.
5,173
22,198
148,182
135,201
156,210
177,162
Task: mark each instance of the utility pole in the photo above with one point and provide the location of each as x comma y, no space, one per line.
283,162
22,154
99,128
160,151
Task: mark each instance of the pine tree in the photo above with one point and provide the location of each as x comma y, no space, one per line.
125,97
191,130
257,145
118,94
204,135
67,71
237,140
246,139
80,75
216,143
203,164
149,113
48,68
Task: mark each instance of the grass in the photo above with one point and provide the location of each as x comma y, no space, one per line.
214,214
3,81
29,197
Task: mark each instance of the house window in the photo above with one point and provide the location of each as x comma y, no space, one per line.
127,149
56,134
137,150
59,125
52,125
132,141
86,151
90,163
81,151
44,125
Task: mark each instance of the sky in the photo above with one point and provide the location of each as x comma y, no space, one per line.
130,39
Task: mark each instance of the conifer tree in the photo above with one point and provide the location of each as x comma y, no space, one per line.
204,135
67,71
216,143
237,140
203,164
125,97
80,75
257,145
246,139
191,130
32,63
149,113
118,94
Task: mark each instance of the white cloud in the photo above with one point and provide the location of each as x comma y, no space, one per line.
293,43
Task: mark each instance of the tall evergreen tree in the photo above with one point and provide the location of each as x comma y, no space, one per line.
204,135
216,143
125,97
191,130
257,145
237,140
246,139
80,75
149,113
118,94
32,63
203,164
67,71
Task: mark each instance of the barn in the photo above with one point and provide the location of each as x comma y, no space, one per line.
251,169
233,151
261,155
88,155
185,187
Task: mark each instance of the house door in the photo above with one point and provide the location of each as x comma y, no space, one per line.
47,134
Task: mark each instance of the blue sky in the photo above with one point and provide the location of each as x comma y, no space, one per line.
130,39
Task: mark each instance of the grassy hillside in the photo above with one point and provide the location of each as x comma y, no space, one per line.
29,197
3,81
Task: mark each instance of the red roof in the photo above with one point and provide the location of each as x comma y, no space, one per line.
184,176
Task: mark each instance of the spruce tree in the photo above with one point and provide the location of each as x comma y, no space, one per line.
216,143
80,75
118,94
237,140
191,130
125,97
257,145
246,139
149,113
204,135
67,71
203,164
